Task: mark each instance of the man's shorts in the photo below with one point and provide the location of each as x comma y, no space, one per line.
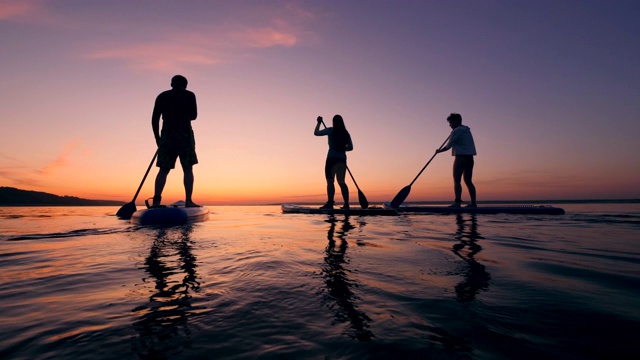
463,164
177,143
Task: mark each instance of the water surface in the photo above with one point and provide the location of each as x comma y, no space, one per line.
251,282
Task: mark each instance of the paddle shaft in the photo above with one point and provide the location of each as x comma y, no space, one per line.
404,192
145,176
352,178
429,162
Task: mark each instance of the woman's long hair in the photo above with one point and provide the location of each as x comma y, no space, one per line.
340,134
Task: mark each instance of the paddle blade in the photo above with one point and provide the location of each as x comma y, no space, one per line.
401,197
363,200
126,211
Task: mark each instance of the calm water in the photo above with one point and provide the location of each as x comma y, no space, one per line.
78,283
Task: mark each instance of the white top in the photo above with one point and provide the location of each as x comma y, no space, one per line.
461,142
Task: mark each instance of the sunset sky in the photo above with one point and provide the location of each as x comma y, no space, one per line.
550,90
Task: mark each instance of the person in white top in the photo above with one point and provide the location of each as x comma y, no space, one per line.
464,149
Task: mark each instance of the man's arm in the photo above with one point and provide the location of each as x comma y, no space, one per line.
155,121
452,140
193,112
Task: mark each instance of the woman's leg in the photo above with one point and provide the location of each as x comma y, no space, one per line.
331,191
340,169
329,175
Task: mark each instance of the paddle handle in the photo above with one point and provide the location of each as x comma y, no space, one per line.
145,176
429,162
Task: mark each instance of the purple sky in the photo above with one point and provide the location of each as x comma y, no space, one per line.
550,90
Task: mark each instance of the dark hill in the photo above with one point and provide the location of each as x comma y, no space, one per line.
16,197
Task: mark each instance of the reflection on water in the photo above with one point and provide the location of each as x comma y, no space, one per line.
163,322
476,278
246,285
335,272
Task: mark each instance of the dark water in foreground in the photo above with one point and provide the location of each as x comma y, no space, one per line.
254,283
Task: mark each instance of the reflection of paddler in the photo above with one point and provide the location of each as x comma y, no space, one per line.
339,285
476,278
162,322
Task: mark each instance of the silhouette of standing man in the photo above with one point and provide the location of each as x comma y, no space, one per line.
464,149
177,108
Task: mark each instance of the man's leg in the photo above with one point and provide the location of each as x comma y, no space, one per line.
468,175
161,180
188,185
188,158
458,170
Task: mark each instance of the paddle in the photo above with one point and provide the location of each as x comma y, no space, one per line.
128,209
361,198
402,194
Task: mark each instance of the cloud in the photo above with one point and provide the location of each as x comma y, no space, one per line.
27,11
188,49
158,56
60,161
19,179
265,38
10,9
171,48
15,173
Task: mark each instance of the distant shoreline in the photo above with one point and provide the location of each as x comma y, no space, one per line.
16,197
12,197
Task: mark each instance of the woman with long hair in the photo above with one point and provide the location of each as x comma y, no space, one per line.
336,164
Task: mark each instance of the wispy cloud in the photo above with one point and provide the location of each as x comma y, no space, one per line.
158,56
15,8
60,161
13,172
221,41
19,179
188,49
239,33
28,11
264,38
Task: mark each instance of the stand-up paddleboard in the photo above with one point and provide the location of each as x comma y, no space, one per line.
297,209
482,209
174,214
